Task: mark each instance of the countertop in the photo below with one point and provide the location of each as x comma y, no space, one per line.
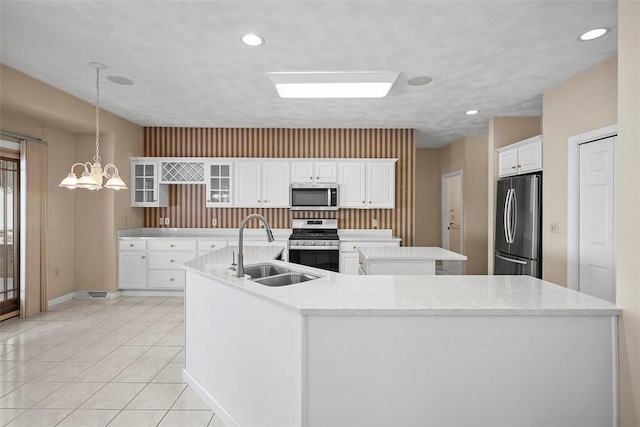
404,253
249,233
339,294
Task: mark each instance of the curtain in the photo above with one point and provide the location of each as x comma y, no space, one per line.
33,164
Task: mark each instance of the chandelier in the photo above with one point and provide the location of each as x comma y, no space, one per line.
93,174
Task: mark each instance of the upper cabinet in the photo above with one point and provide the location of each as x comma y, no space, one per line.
521,157
265,183
367,184
146,191
261,184
218,181
314,172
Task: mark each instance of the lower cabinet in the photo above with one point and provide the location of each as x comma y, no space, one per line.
133,269
349,256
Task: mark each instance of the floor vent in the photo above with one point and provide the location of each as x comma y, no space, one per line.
92,294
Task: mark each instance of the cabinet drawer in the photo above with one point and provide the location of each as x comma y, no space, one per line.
172,245
353,246
132,245
169,260
211,245
166,279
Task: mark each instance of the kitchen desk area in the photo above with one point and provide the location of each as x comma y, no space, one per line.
396,349
404,260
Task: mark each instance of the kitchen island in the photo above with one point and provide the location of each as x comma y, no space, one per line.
404,260
396,350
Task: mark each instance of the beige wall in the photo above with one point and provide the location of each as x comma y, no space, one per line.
583,103
427,198
468,154
503,131
627,207
82,225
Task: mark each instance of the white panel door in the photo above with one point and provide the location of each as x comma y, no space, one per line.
381,185
302,172
247,190
596,256
325,172
133,270
351,179
275,184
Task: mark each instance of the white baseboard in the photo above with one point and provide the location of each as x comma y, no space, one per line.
217,409
61,299
148,293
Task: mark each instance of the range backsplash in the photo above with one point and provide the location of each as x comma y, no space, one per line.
187,202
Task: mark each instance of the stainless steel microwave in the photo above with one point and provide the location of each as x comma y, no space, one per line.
314,197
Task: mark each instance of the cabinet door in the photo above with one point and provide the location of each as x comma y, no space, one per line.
246,182
325,172
275,184
530,157
381,185
508,162
351,179
218,182
133,270
145,188
349,263
302,172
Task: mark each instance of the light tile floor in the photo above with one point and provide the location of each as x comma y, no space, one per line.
92,363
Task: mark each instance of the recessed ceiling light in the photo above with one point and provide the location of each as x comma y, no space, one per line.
419,81
119,80
472,112
252,40
594,34
333,84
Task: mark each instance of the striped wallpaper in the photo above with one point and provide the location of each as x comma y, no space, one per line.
187,202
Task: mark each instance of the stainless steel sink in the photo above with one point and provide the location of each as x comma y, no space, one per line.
258,271
286,279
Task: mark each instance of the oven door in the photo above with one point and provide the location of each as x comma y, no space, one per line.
325,258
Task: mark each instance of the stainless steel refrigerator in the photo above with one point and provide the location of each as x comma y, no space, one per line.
518,244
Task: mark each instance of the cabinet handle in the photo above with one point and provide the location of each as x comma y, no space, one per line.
173,246
213,246
172,260
363,202
369,201
513,167
172,279
355,247
130,245
317,177
360,262
311,177
144,257
519,166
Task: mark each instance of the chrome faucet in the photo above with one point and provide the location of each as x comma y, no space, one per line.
240,266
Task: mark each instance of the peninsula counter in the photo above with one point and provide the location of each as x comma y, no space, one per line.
396,350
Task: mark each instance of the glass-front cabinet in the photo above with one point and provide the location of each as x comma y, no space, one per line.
218,181
146,190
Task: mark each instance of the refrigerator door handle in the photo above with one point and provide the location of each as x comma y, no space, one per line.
514,214
510,260
505,216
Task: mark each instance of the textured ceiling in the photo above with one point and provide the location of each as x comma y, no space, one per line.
191,68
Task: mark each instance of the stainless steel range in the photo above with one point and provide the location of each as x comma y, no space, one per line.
315,243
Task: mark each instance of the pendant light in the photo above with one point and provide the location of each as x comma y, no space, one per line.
93,174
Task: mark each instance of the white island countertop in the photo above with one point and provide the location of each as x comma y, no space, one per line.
410,253
338,294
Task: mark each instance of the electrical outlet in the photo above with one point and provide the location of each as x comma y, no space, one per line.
160,221
374,222
214,222
166,221
554,228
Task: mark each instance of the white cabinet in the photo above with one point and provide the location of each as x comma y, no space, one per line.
165,262
261,184
349,256
351,179
381,185
314,172
369,184
521,157
146,190
132,262
182,171
210,245
218,177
